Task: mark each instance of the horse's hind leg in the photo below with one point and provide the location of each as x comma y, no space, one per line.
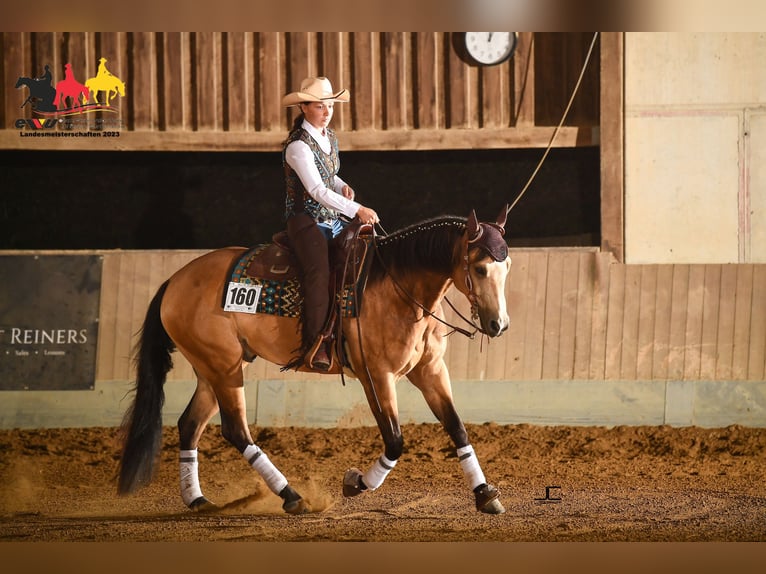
235,430
202,407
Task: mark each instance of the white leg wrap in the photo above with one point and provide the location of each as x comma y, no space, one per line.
470,465
275,480
190,489
378,472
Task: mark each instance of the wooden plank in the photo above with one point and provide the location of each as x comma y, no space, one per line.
586,281
237,81
495,96
612,131
394,80
335,65
271,85
725,349
742,320
46,52
459,93
694,313
496,353
107,318
757,355
123,340
678,316
552,292
647,305
208,82
140,85
597,369
524,80
113,47
78,53
14,67
535,323
174,98
460,360
710,315
366,82
569,318
630,323
661,351
614,323
518,299
429,111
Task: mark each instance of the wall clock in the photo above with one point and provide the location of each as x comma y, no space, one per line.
487,48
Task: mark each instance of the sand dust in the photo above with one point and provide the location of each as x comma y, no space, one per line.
619,484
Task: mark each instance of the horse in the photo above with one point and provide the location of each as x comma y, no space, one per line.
41,93
70,88
105,81
399,331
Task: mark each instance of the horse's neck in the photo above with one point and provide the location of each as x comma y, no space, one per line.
427,288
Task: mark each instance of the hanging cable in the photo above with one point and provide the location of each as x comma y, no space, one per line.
558,127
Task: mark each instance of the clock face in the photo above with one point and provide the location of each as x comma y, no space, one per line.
489,48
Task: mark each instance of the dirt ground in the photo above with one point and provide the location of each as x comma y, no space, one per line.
619,484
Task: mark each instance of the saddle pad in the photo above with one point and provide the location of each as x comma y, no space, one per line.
283,298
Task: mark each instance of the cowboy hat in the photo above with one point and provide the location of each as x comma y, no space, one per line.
315,90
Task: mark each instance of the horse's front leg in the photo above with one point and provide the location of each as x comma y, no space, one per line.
433,381
382,400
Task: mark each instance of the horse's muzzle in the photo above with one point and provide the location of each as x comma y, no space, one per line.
496,327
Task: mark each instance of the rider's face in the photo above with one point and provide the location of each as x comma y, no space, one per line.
318,114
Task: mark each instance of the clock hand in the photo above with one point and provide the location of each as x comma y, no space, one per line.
489,39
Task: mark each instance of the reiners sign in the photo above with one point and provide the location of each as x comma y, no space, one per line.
49,321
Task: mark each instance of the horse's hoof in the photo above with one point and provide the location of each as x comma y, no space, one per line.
488,500
352,483
296,507
202,504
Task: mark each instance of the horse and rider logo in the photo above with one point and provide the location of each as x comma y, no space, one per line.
70,96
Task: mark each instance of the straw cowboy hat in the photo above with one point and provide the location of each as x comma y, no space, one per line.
315,90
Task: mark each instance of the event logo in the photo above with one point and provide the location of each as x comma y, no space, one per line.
68,97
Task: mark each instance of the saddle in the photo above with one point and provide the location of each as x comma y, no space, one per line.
275,264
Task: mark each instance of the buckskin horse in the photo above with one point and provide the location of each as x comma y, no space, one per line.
400,331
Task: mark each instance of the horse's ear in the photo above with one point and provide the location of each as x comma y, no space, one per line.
502,217
473,226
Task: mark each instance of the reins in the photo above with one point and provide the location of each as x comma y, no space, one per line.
408,296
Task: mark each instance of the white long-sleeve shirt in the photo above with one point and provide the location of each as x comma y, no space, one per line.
300,158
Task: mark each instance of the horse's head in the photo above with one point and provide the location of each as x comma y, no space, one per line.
483,271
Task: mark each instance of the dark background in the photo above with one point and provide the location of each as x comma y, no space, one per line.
205,200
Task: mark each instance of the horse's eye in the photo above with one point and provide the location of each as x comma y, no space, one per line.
481,270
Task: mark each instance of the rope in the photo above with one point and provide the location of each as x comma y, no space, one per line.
558,127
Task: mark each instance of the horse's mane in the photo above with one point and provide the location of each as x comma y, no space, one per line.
424,246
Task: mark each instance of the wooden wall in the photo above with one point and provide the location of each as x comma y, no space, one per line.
221,91
576,314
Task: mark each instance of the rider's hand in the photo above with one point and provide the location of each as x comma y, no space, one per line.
367,215
347,192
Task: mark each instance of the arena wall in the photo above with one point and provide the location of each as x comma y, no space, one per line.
591,342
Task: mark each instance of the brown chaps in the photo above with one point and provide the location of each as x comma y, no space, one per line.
310,247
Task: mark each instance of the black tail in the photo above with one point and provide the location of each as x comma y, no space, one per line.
142,424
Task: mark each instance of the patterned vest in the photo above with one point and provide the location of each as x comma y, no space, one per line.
297,198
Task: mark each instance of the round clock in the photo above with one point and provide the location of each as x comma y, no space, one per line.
489,48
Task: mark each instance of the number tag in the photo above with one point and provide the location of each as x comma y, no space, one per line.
242,297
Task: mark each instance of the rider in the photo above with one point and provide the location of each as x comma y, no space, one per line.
316,197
